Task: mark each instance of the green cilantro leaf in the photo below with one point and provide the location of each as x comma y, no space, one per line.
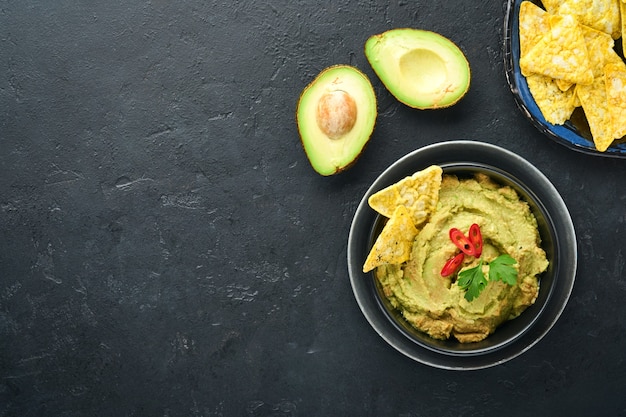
473,281
501,269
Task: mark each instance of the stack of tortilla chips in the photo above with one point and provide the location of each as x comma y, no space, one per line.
568,58
408,205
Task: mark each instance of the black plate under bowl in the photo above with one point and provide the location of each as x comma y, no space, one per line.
464,158
575,133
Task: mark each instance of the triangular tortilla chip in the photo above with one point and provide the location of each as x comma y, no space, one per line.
555,105
394,244
603,15
560,54
594,102
615,81
533,23
599,49
419,193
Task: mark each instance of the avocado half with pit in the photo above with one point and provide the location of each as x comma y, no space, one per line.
336,115
420,68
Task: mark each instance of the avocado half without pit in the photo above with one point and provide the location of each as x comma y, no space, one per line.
336,115
420,68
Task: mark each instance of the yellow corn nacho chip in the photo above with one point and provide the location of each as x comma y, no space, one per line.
603,15
560,54
394,244
615,81
419,193
594,102
533,23
555,104
599,49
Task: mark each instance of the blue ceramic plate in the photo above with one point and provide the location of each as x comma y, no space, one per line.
575,133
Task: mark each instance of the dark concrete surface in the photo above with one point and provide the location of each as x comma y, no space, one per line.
168,251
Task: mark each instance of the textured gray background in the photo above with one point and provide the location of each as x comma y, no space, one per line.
167,250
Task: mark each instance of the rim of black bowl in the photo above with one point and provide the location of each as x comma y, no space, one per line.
573,135
543,197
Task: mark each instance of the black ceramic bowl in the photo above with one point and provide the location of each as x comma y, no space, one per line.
464,158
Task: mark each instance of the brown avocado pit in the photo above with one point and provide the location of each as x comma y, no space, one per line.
336,114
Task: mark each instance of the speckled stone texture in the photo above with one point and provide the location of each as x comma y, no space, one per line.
168,251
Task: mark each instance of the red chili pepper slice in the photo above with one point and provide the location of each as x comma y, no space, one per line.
476,239
452,265
462,242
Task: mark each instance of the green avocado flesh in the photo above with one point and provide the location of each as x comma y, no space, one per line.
336,115
422,69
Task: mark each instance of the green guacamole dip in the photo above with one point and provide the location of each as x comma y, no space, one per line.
436,305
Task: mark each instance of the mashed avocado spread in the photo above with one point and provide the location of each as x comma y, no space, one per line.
436,305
